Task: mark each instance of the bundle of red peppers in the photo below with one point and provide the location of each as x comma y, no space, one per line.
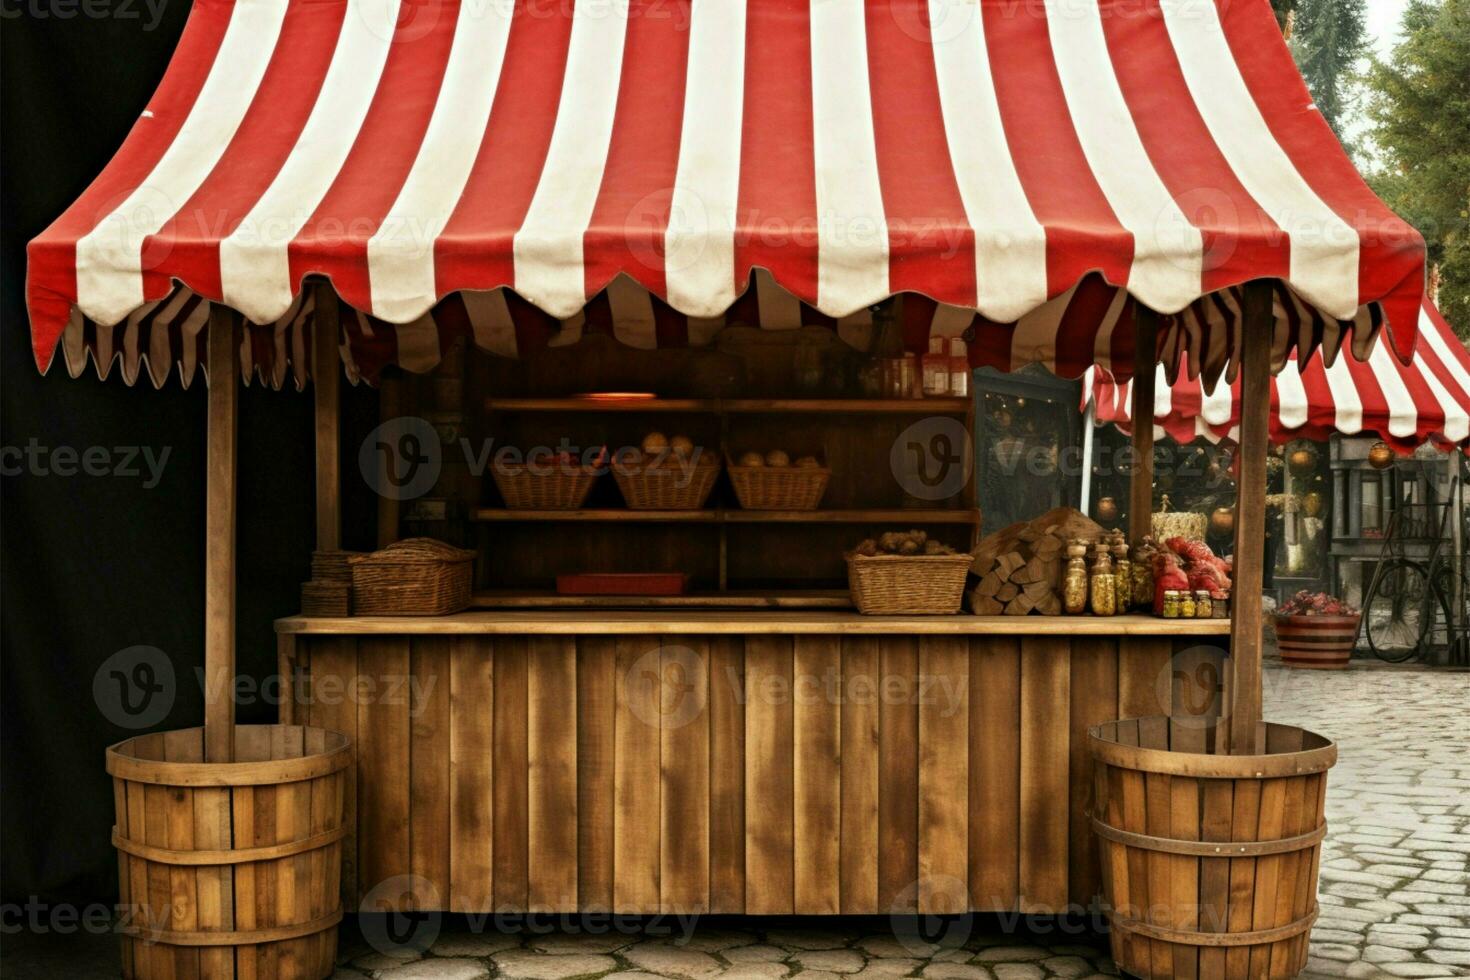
1202,570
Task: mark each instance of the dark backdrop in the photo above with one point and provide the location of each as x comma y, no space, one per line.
91,565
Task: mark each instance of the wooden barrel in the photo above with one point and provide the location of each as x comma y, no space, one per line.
1209,861
1320,642
230,869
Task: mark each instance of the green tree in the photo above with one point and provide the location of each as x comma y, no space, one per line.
1327,42
1419,104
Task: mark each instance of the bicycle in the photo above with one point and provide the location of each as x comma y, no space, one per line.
1408,600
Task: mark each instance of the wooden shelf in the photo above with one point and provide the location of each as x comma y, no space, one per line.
791,599
897,515
738,406
659,622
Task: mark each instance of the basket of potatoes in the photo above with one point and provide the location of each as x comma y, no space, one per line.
906,573
666,473
773,480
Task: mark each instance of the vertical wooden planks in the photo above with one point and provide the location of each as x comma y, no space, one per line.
1144,678
1045,717
769,885
1094,700
1184,820
471,774
944,774
1214,875
995,775
429,774
331,703
510,844
382,764
596,697
1268,869
1158,801
183,890
636,789
551,707
817,773
898,776
727,691
216,886
1244,820
684,776
859,814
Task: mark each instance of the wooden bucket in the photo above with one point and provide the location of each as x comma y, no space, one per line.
1319,642
1209,861
230,869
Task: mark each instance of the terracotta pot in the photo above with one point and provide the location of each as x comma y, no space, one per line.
1319,642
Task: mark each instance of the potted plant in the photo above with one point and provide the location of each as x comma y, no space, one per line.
1314,629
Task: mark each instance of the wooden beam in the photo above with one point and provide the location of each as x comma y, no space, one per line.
219,529
390,406
1141,487
326,374
1250,519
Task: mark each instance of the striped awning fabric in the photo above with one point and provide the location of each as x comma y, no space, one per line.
1427,401
985,157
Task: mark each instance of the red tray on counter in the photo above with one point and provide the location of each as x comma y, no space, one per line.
623,583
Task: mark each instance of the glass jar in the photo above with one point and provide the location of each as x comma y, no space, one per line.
1204,607
1171,604
1074,585
935,367
900,377
1186,605
1123,572
959,369
1104,586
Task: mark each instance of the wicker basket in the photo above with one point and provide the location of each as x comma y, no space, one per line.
549,485
893,585
414,577
321,597
668,483
779,487
332,566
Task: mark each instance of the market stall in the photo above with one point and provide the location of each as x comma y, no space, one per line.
668,214
1406,405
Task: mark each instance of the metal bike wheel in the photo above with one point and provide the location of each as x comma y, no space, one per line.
1398,611
1452,619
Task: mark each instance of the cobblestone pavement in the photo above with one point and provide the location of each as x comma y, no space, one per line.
1395,885
1395,881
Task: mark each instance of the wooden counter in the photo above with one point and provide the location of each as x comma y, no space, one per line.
749,622
767,762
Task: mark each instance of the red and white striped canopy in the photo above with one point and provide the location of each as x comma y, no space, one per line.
988,155
1427,401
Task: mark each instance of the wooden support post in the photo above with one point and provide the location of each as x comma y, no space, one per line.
1250,519
390,406
219,529
326,373
1145,356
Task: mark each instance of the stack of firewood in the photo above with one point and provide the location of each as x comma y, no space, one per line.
1020,567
